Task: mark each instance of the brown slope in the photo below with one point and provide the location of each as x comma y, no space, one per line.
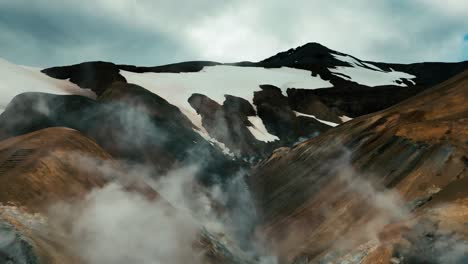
38,167
36,170
54,165
319,196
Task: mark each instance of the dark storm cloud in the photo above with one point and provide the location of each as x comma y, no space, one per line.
53,37
145,32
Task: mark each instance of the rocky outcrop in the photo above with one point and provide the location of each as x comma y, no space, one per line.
382,188
277,112
96,76
352,101
188,66
307,55
228,123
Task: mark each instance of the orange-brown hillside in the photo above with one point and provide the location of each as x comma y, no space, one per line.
39,169
42,166
384,187
52,165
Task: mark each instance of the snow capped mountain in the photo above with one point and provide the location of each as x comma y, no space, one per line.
274,102
217,81
19,79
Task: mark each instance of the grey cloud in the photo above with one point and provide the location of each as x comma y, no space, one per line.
46,37
52,32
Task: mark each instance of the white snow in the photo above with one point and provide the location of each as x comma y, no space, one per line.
370,77
328,123
204,134
259,130
216,81
370,65
15,79
345,119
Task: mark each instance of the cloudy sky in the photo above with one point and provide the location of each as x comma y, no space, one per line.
152,32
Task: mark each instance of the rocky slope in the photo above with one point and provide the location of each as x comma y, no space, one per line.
388,187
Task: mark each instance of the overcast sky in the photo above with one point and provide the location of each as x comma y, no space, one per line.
153,32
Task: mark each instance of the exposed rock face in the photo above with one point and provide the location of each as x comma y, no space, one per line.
352,101
228,123
339,192
140,99
277,112
273,108
308,54
188,66
429,74
96,76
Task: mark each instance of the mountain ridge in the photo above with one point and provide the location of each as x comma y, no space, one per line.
338,90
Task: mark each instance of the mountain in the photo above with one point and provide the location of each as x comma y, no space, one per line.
382,188
275,102
309,156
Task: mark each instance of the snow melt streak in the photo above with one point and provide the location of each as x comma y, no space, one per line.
328,123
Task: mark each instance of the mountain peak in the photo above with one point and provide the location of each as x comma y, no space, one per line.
313,46
309,53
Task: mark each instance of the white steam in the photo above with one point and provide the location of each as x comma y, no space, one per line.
115,226
121,223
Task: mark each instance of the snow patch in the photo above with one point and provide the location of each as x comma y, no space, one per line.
204,134
15,79
345,119
216,81
328,123
372,66
359,72
259,130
